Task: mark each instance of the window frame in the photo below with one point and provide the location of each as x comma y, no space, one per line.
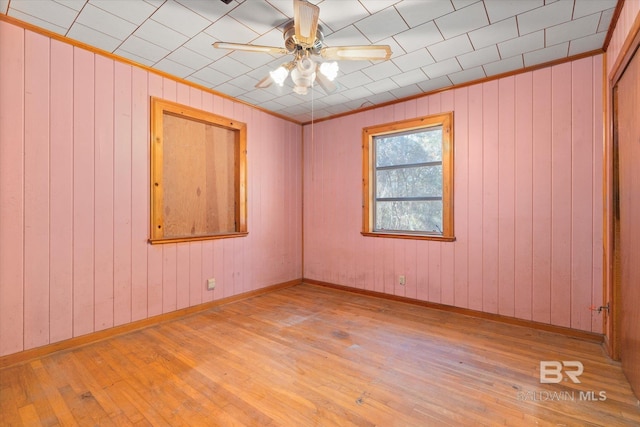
160,107
369,169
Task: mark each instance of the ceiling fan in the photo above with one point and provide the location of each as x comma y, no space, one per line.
303,38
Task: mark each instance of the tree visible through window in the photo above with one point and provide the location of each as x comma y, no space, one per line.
408,178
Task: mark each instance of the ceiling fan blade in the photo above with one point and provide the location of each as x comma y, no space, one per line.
372,53
305,18
250,48
327,85
264,83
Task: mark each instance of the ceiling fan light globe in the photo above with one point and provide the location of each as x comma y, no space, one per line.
306,66
329,70
302,80
279,75
300,90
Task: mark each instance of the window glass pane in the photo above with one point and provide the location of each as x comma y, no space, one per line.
423,181
409,216
420,146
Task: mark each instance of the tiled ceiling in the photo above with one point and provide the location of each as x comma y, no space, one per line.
435,43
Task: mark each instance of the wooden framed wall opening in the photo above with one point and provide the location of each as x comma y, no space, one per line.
198,174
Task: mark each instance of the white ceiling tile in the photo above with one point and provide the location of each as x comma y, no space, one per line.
459,4
465,76
441,68
382,25
229,66
462,21
354,79
435,84
48,11
189,58
37,21
494,33
337,14
532,41
228,29
135,12
419,37
201,82
144,49
171,67
256,59
504,65
348,67
105,22
160,35
584,8
406,91
450,48
479,57
4,5
72,4
272,38
134,57
572,30
155,3
416,59
92,37
396,49
260,17
378,5
382,70
502,9
605,20
210,76
587,44
230,89
356,93
202,44
346,36
177,17
410,77
548,54
380,98
416,12
545,16
210,10
382,85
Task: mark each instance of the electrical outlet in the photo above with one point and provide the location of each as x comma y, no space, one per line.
402,280
211,284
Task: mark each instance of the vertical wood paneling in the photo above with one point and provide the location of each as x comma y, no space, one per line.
11,188
139,192
561,195
83,190
103,160
122,201
475,221
582,197
61,192
513,200
74,190
461,197
490,197
506,191
541,195
36,191
523,239
598,191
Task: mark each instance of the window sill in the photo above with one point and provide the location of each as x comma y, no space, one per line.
409,236
198,238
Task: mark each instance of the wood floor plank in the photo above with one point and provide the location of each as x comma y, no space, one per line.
315,356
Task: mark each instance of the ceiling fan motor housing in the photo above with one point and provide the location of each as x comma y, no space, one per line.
292,45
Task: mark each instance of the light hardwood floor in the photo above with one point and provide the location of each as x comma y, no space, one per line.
315,356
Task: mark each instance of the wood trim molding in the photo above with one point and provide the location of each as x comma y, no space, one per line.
631,43
612,26
27,355
573,333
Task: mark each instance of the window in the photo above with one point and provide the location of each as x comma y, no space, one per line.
408,179
198,175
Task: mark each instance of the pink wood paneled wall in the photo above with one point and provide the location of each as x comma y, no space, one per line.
528,201
74,197
629,15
